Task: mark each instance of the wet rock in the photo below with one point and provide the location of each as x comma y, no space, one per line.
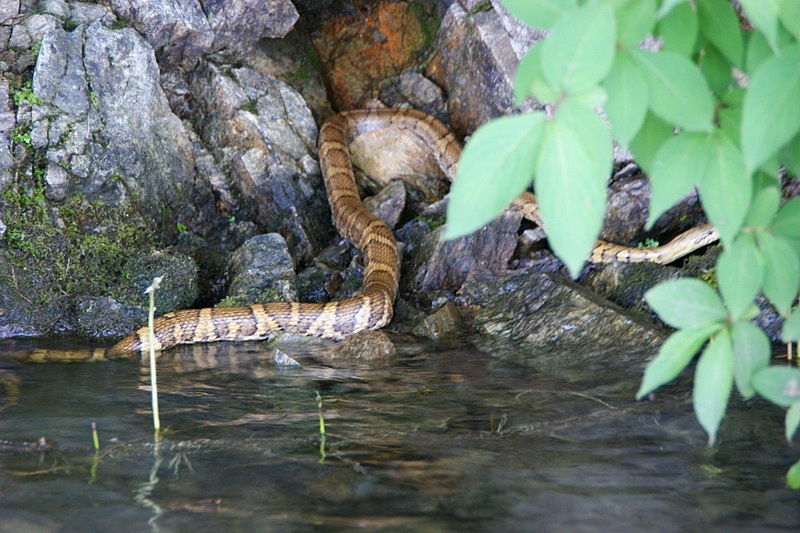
261,270
361,48
374,347
445,265
444,322
547,311
105,318
263,137
625,283
389,203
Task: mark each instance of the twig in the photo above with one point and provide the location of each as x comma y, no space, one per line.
151,342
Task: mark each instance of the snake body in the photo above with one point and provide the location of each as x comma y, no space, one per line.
372,307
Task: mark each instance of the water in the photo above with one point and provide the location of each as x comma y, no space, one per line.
448,438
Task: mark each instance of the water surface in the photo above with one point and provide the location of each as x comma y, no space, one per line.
451,437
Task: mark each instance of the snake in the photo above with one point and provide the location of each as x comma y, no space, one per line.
372,307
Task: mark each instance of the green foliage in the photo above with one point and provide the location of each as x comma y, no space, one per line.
715,107
77,248
24,95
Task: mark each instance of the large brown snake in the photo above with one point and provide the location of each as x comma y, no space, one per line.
372,308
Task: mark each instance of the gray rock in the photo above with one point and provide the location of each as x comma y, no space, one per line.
262,136
187,29
475,63
105,120
178,287
7,122
389,203
261,270
551,312
101,317
445,265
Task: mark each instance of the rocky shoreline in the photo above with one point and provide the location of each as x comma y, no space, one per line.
178,137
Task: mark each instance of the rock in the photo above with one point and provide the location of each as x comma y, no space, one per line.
373,347
104,318
389,203
445,265
550,312
105,120
7,123
360,48
444,322
412,89
474,62
625,283
178,288
186,29
262,136
260,271
628,205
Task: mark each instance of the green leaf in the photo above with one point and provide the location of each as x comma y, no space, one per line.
716,70
679,30
678,92
781,271
751,353
730,114
793,476
686,303
757,52
675,170
791,327
668,5
646,144
530,79
539,13
713,379
763,14
720,24
579,51
740,272
789,13
676,352
635,19
571,175
778,384
771,116
792,420
504,151
626,107
725,188
765,204
787,222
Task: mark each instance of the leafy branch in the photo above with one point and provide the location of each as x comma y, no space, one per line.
710,104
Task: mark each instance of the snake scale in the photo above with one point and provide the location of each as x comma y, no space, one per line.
372,307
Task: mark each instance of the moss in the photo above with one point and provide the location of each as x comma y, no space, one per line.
428,24
76,248
482,6
432,222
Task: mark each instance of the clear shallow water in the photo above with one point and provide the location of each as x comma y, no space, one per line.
448,438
